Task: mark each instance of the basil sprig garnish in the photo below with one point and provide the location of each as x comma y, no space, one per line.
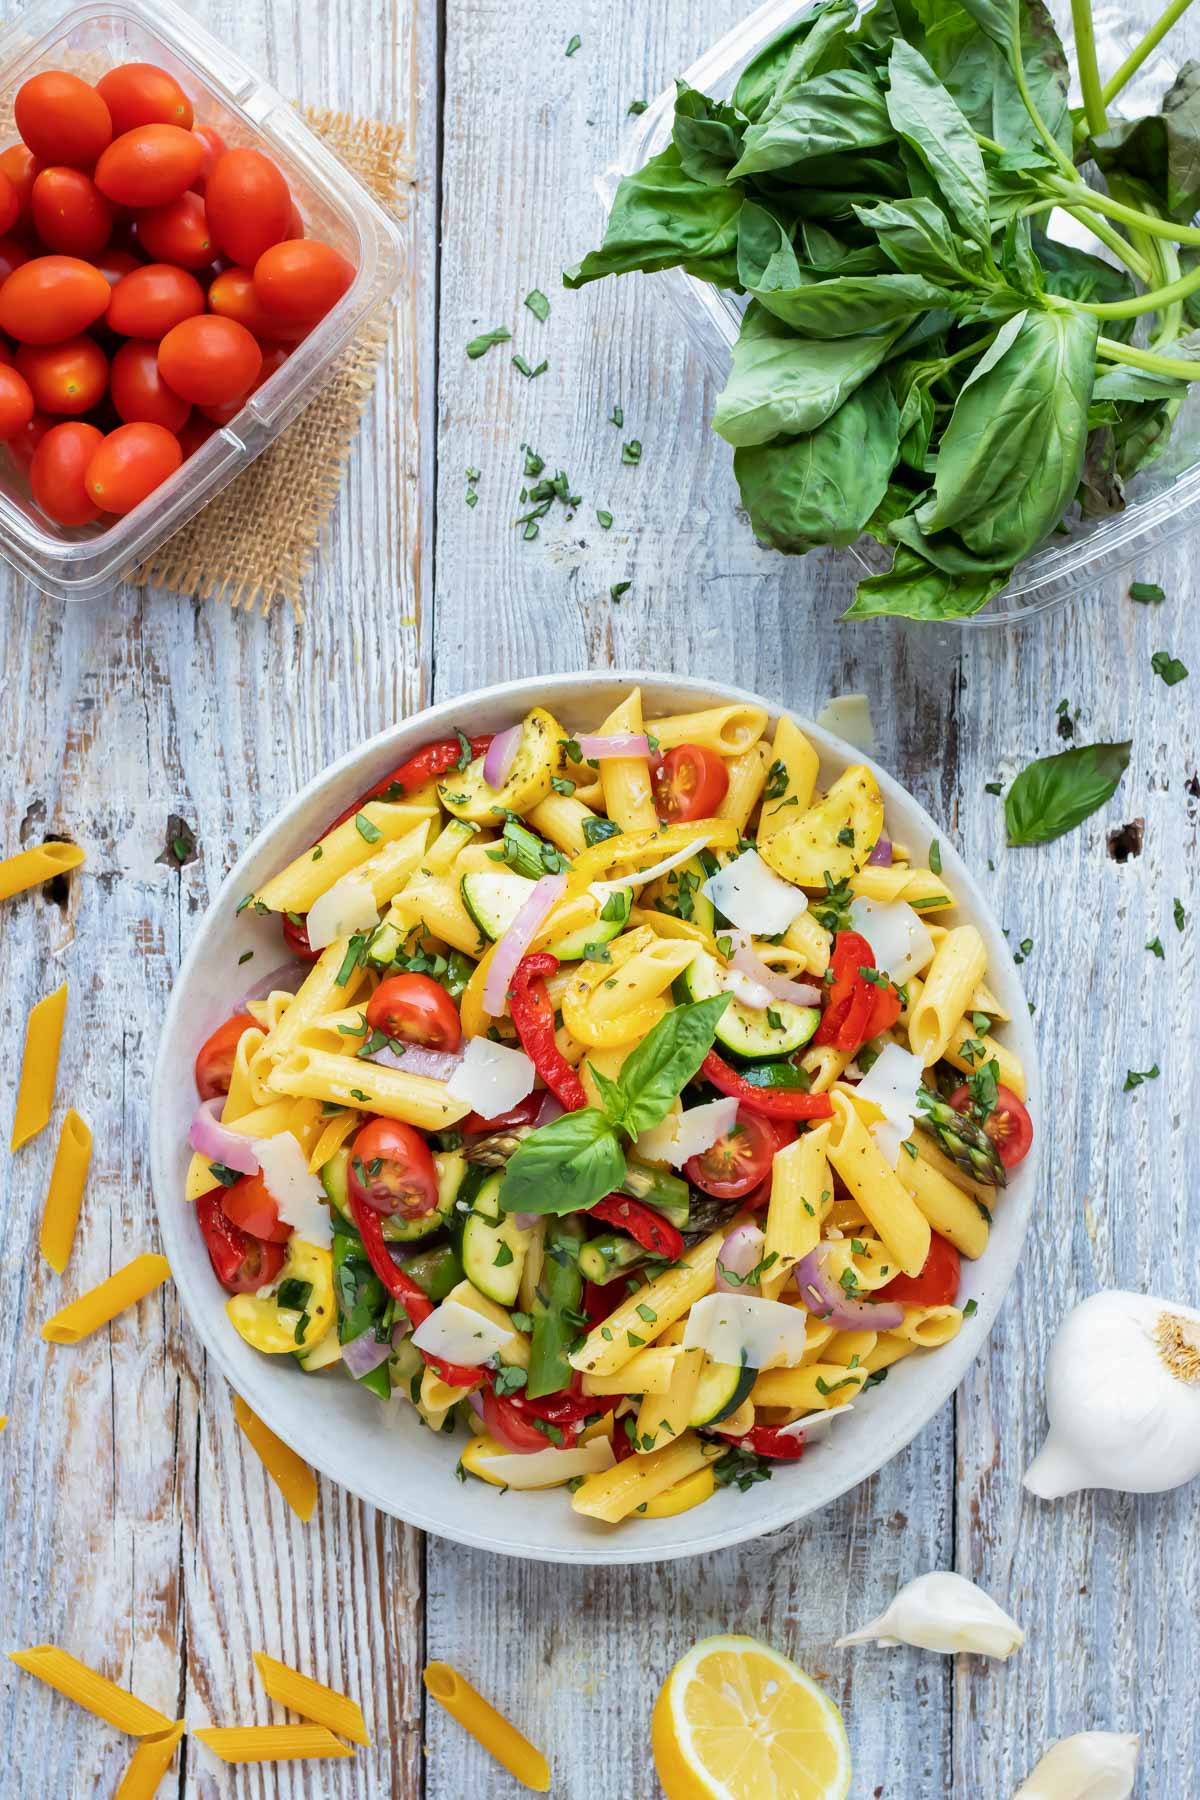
1056,793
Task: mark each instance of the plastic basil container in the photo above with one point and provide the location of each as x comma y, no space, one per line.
85,562
1161,501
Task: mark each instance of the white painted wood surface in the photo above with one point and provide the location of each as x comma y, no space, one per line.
134,1526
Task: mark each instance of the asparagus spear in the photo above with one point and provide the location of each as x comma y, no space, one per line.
559,1292
666,1193
964,1141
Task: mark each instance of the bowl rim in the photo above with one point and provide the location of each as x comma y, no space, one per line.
945,1372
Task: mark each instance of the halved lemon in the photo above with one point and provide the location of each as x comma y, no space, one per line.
737,1721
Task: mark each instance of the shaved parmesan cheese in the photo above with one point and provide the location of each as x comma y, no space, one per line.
848,716
897,935
892,1084
813,1422
298,1195
600,890
684,1135
753,897
349,905
550,1467
458,1335
491,1077
739,1329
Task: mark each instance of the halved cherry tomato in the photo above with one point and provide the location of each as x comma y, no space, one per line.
209,361
57,472
16,403
294,935
300,280
251,1206
68,378
149,166
214,146
937,1283
249,205
177,233
742,1158
391,1169
689,783
523,1113
10,202
215,1058
152,299
139,391
12,256
232,296
768,1440
22,168
70,214
143,94
505,1424
63,120
132,461
52,298
417,1009
1008,1125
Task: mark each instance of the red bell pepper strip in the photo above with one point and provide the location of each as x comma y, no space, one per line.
886,1011
567,1407
428,763
533,1017
769,1440
226,1242
622,1437
773,1103
457,1375
597,1302
644,1225
400,1286
851,999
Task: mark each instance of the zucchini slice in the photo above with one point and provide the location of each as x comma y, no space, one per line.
494,900
777,1030
493,1246
721,1389
451,1169
614,916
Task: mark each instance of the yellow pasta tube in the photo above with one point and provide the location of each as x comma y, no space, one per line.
72,1678
612,1003
342,1126
319,993
102,1304
290,1473
960,1053
825,1065
447,846
323,1075
864,1169
921,888
791,779
888,1350
498,1736
800,1180
747,778
29,868
561,818
815,1339
953,1214
847,1347
39,1067
693,1490
67,1180
957,967
984,1001
728,730
937,1159
342,852
243,1093
929,1326
811,1386
269,1743
662,1417
626,779
649,1372
392,864
812,942
607,1348
612,1494
312,1699
148,1764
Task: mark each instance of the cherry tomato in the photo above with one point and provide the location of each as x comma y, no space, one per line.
249,205
52,298
152,299
68,378
250,1206
506,1425
936,1285
195,434
139,391
260,1266
417,1009
22,168
16,403
769,1440
296,222
214,1060
131,462
208,361
689,783
115,265
214,146
12,256
142,94
295,936
25,444
10,203
149,166
523,1113
56,474
1009,1125
301,280
272,359
70,214
391,1169
742,1158
177,233
63,120
232,296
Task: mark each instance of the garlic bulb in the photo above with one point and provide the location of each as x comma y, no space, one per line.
945,1612
1095,1765
1123,1396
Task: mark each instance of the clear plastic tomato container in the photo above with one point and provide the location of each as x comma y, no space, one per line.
81,563
1161,501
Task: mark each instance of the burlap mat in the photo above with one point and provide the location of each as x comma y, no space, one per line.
253,544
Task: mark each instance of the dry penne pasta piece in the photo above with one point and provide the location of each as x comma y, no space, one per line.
269,1743
290,1473
101,1304
148,1764
498,1736
39,1067
67,1181
29,868
312,1699
95,1693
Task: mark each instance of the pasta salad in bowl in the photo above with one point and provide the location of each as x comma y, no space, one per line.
645,1086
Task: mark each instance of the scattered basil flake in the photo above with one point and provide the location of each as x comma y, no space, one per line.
1148,592
605,519
970,1309
1168,667
1155,946
631,452
245,957
479,346
1179,915
1135,1077
618,588
617,416
574,44
538,304
636,107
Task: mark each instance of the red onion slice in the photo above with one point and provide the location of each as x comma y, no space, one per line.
438,1065
362,1354
501,754
551,1108
740,1253
208,1137
622,743
525,1221
512,946
881,855
475,1402
285,979
828,1302
781,987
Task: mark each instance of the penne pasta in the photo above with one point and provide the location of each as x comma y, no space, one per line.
614,1493
501,1739
800,1183
290,1473
67,1181
607,1347
95,1693
312,1699
928,1326
625,780
952,1213
101,1304
891,1209
269,1743
747,778
561,818
342,851
969,1052
148,1764
952,977
30,868
319,993
727,730
393,1093
921,889
39,1067
812,1387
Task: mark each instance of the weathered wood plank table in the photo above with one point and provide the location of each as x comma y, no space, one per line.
135,1525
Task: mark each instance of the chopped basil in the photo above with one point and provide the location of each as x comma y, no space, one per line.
479,346
1180,915
1135,1077
632,451
1155,946
636,107
538,304
617,416
618,588
574,44
369,833
1148,592
605,519
1169,667
245,957
225,1175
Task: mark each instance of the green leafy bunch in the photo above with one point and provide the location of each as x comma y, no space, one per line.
918,359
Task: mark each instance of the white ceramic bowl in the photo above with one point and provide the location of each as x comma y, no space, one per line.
381,1452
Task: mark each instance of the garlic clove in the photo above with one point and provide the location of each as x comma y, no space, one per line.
945,1612
1093,1765
1123,1398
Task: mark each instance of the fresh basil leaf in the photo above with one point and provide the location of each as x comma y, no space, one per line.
914,589
826,116
849,305
919,239
1169,667
790,57
707,135
928,119
977,72
479,346
1119,382
662,218
1056,793
565,1166
781,384
664,1062
1162,150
